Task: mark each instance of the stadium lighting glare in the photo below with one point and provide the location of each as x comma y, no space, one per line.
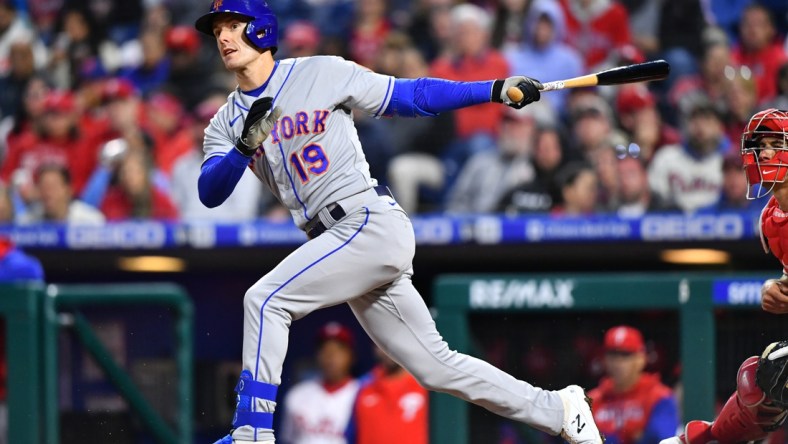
151,264
699,256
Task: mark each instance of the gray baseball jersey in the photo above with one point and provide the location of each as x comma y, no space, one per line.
313,156
313,161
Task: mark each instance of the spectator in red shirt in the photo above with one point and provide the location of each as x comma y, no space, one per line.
631,406
472,59
370,29
391,400
60,141
133,196
166,123
597,28
759,49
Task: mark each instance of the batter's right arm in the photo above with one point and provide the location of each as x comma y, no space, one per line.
218,177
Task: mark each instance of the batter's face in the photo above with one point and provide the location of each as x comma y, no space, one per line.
235,51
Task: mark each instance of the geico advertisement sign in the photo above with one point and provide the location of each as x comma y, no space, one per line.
119,235
700,227
531,293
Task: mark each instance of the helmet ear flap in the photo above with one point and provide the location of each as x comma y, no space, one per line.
262,32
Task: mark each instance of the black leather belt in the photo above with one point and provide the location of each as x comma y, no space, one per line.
338,213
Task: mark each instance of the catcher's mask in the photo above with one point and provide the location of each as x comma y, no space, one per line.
764,151
772,373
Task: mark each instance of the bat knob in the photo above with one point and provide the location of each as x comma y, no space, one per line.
514,94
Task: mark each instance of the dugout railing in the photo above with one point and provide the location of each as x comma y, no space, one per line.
35,315
693,296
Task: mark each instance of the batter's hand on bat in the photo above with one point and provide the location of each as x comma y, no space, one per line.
528,87
774,296
258,125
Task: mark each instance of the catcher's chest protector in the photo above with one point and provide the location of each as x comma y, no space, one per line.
774,231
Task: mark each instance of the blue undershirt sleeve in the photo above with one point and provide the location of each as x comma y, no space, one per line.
428,96
218,177
663,423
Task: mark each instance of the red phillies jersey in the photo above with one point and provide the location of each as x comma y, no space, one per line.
625,415
391,410
774,231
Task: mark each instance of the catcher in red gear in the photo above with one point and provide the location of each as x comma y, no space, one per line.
760,404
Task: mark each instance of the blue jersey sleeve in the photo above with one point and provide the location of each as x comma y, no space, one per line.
428,96
218,177
663,423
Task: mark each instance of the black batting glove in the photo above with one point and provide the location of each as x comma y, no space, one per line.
257,126
529,87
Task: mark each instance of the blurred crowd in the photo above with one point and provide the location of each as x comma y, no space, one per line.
103,104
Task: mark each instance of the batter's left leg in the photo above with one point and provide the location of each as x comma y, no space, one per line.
397,319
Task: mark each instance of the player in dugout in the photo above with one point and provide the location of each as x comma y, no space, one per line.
760,404
632,406
290,122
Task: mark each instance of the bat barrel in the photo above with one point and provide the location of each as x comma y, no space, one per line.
640,72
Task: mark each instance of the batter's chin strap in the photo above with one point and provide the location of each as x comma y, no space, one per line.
247,390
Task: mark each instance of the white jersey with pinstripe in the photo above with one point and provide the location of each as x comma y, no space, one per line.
313,156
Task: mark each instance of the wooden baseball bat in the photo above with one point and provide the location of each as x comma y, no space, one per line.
639,72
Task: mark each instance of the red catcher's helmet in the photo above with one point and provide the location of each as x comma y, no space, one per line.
765,171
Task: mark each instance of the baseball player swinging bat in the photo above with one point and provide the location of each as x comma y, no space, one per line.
640,72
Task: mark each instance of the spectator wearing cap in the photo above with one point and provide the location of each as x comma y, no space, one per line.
56,202
759,49
60,140
591,120
15,29
241,206
123,134
191,70
318,411
166,121
471,58
688,175
637,112
302,39
630,405
542,54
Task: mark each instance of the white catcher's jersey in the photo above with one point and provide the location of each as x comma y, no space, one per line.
313,156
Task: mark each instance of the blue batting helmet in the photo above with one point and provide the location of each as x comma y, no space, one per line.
262,28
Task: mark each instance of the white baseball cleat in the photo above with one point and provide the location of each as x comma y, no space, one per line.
578,426
672,440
